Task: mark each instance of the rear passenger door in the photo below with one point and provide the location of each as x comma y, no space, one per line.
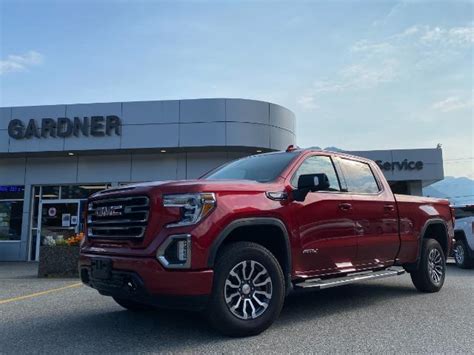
375,215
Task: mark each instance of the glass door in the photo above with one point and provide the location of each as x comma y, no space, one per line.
57,220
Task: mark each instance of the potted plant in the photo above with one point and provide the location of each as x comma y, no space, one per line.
59,257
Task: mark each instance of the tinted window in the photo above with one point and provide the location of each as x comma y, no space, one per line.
11,216
318,165
11,212
463,212
261,168
359,177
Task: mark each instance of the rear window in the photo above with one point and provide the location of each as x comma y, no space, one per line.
359,177
464,212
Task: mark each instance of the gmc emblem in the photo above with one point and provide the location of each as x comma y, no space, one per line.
108,211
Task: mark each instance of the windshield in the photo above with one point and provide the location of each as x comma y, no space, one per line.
261,168
464,212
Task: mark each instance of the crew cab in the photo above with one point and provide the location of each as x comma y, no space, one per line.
236,241
464,236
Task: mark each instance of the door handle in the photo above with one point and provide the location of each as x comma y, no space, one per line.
345,206
389,208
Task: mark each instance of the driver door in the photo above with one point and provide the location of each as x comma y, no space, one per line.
325,223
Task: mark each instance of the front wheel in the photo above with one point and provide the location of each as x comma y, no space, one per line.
248,291
430,275
461,255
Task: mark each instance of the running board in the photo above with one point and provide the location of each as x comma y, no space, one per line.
340,281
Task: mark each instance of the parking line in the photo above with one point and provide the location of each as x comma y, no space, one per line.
32,295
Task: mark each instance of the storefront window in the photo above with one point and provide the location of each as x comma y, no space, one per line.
11,212
80,191
50,192
61,218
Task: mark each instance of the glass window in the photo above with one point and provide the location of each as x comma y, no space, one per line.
261,168
12,192
11,212
359,177
50,192
464,212
318,164
80,191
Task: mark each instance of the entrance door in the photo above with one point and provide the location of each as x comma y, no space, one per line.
58,220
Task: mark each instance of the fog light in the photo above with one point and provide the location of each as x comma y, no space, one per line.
182,250
175,252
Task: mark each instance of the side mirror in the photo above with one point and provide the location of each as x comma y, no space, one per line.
310,182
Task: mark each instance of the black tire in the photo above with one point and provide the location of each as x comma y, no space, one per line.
461,255
425,278
132,305
260,261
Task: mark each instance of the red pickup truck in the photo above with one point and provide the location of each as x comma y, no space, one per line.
236,241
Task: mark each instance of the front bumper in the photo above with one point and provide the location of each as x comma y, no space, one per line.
145,280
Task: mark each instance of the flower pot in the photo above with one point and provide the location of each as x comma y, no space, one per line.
58,261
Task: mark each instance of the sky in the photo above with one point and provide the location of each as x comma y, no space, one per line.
359,75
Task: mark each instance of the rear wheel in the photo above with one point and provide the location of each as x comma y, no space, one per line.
248,291
132,305
461,255
430,275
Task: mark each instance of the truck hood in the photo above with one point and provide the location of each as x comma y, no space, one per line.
188,186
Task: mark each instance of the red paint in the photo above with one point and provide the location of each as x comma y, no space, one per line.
350,232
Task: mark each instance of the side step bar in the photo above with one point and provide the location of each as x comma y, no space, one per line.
340,281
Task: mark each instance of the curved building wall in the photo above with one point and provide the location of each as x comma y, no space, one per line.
162,124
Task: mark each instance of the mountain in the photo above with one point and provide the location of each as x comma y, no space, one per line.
331,149
459,191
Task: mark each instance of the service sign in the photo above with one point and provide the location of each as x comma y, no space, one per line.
400,165
63,127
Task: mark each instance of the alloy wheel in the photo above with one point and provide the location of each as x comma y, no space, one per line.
435,266
459,254
248,290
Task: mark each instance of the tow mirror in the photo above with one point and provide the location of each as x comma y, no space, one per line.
310,182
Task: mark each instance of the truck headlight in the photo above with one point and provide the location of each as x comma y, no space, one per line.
193,207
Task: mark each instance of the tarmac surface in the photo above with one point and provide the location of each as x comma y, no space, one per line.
387,315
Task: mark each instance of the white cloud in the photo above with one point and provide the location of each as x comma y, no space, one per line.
15,63
358,76
308,103
394,11
366,46
397,57
456,36
453,103
418,39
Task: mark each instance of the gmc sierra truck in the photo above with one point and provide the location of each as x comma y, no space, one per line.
236,241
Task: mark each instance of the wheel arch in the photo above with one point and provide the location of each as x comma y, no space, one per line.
269,232
459,234
436,229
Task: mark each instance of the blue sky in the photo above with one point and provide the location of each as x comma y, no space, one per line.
358,75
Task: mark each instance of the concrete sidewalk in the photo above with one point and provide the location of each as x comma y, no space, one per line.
18,270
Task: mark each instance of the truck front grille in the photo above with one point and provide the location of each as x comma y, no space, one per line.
118,218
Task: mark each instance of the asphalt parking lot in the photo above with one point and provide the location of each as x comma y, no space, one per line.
389,315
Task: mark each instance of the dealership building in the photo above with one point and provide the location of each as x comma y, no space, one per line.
53,157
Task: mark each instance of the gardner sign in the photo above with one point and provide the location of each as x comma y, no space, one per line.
63,127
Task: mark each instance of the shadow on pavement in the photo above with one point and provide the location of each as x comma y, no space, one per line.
172,330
